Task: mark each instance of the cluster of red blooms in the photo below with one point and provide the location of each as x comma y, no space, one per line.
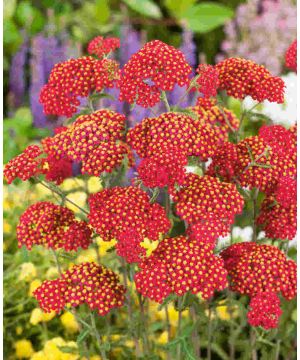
52,226
278,214
76,78
163,169
265,310
95,140
291,56
24,166
179,265
241,78
117,210
87,283
173,130
129,246
207,82
156,67
221,120
255,269
31,163
208,200
258,161
101,46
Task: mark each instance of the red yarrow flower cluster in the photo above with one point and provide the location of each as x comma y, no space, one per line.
291,56
73,79
207,82
173,130
206,198
163,169
52,226
24,166
87,283
241,78
264,310
222,120
129,246
179,265
156,67
118,210
101,46
95,140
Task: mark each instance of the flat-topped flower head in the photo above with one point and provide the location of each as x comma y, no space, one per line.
87,283
23,166
52,226
101,46
255,269
156,67
291,56
241,78
173,130
73,79
120,209
222,120
207,82
129,246
179,265
205,196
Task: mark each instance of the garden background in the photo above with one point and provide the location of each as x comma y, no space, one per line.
39,34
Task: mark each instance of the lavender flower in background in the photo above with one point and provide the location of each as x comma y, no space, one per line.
45,53
17,80
188,47
261,32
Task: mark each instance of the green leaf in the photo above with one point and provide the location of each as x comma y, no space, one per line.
145,7
82,335
207,16
102,11
68,349
177,7
9,8
98,96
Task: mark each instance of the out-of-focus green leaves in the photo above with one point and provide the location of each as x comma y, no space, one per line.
29,17
9,8
177,7
145,7
206,16
18,131
11,36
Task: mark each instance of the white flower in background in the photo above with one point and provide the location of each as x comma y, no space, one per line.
238,233
281,114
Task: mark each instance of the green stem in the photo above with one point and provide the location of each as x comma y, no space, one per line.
254,235
192,84
209,333
57,262
145,326
98,338
168,324
253,344
195,334
165,101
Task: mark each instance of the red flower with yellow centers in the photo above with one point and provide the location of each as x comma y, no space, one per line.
129,246
95,140
264,310
52,226
156,67
255,269
179,265
291,56
207,82
23,166
173,130
118,210
203,197
241,78
87,283
164,169
101,46
222,120
75,78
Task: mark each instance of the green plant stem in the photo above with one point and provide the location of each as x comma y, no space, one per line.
209,333
253,344
168,325
98,338
129,307
254,235
195,334
278,343
165,101
57,262
145,326
192,84
181,301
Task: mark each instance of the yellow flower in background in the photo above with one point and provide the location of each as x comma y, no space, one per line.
79,198
52,352
163,338
52,272
37,316
223,311
42,192
7,228
69,322
33,286
88,255
71,183
39,356
150,246
161,315
19,330
94,184
24,349
104,246
27,271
